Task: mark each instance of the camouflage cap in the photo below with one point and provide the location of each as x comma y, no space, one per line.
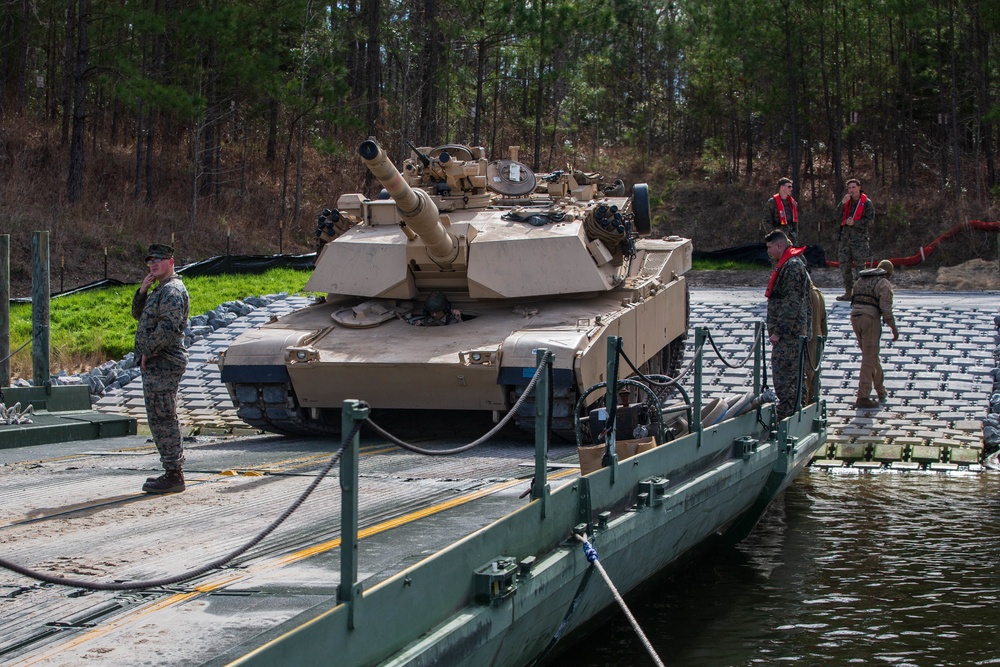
886,266
159,251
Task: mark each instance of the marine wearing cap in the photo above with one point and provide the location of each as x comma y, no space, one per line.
159,251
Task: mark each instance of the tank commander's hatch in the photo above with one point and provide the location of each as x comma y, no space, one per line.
510,178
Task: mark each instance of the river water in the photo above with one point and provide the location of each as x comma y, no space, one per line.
883,568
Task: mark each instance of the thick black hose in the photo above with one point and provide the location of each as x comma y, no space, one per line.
191,574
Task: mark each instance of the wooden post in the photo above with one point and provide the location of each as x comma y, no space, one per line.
40,295
5,310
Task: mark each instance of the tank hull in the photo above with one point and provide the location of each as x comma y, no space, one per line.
476,364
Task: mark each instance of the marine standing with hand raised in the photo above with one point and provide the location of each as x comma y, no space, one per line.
857,215
159,348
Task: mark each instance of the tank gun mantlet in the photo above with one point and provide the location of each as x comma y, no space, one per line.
415,205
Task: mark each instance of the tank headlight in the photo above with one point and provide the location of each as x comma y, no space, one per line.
479,357
297,355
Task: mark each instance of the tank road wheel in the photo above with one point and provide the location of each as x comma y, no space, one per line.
273,407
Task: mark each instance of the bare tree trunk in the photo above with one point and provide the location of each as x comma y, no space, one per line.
539,89
371,11
272,131
430,61
954,103
74,183
298,172
284,175
68,61
480,79
208,169
22,66
150,127
140,135
793,111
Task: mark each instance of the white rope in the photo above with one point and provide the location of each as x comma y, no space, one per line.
595,561
15,415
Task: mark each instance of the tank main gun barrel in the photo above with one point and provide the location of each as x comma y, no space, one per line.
414,205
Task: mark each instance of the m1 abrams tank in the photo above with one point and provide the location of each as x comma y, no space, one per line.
438,296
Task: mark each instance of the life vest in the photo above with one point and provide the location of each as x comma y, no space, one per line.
858,210
781,210
864,290
785,256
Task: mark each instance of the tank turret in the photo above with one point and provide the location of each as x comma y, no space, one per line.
521,262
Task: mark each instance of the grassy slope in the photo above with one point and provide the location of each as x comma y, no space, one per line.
89,328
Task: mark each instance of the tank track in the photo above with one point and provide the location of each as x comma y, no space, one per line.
563,404
273,407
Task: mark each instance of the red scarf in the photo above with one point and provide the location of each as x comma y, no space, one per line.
785,256
781,209
858,210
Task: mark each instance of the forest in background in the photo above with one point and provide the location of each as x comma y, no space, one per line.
224,124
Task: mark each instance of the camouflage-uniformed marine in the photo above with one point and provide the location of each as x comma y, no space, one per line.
870,306
437,312
789,316
857,216
773,218
159,342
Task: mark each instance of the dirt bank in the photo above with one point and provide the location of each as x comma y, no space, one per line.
973,275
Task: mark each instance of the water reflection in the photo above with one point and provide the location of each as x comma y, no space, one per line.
887,568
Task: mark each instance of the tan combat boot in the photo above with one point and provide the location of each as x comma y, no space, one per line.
865,402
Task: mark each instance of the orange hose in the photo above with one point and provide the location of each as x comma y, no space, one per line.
927,250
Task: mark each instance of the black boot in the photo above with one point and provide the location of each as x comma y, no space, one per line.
171,481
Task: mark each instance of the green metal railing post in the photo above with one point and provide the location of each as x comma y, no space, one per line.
800,385
543,408
758,356
610,399
348,590
700,334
